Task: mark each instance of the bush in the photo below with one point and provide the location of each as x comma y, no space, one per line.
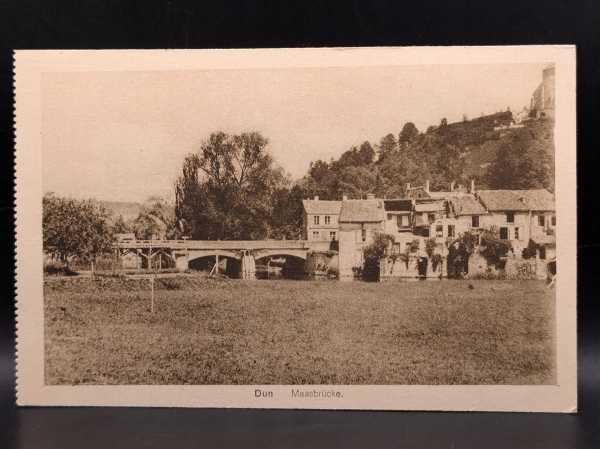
492,248
373,254
56,269
531,250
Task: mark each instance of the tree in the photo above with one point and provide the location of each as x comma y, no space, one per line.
366,153
74,228
225,191
387,146
120,226
408,134
286,219
156,220
356,182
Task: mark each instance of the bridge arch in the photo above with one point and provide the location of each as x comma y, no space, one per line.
229,262
298,253
196,254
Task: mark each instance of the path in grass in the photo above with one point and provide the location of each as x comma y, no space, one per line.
302,332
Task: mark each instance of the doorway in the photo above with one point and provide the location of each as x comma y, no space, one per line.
422,267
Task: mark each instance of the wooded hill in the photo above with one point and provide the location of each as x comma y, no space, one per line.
491,149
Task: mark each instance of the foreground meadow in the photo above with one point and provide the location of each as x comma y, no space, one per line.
206,331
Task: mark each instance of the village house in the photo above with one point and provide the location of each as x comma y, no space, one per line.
359,222
320,219
426,216
521,215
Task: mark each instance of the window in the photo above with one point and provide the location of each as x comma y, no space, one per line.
363,235
315,235
402,220
450,230
517,234
431,218
541,220
332,235
553,220
510,217
503,233
475,221
439,231
327,219
316,219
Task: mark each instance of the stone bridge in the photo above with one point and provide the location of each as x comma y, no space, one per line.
247,252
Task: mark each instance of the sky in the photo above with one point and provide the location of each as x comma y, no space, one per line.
122,136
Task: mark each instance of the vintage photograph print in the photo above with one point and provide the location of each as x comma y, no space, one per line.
384,228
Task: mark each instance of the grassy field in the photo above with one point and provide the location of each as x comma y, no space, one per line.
208,331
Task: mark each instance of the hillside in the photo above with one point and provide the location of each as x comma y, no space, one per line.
536,135
492,150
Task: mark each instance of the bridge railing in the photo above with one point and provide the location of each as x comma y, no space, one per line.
216,244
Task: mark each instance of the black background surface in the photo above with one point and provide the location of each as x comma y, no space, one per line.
179,24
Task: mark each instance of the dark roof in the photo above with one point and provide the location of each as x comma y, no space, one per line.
401,205
467,205
517,200
322,207
362,211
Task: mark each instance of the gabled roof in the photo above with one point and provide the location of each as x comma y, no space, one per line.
517,200
322,207
362,211
467,205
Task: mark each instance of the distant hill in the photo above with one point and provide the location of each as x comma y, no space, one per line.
128,210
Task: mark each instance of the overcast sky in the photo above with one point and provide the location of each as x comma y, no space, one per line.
123,135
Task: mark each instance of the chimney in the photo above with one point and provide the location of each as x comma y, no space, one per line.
370,196
452,186
472,186
427,186
344,197
316,197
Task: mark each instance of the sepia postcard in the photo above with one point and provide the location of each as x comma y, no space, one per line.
325,228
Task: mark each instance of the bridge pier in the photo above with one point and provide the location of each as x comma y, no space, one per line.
248,270
182,262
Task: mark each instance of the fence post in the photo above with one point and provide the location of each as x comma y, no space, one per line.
152,294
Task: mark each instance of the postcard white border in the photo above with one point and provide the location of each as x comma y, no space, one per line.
29,67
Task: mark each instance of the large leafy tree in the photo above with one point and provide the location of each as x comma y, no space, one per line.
408,134
75,228
387,146
155,220
225,191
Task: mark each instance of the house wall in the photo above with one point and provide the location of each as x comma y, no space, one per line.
391,224
320,231
351,246
522,222
528,225
350,254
